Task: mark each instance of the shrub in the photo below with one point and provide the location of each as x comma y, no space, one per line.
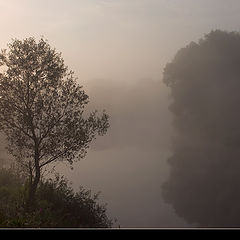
57,205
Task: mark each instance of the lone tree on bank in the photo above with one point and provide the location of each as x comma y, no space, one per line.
42,109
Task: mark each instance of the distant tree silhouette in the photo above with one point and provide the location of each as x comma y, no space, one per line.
42,109
204,181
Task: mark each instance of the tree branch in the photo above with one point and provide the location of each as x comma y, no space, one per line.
19,128
55,157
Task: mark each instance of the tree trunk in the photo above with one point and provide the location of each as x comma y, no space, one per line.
32,189
34,184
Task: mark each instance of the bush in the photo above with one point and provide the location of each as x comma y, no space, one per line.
57,205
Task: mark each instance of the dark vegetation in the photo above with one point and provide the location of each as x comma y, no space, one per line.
56,205
204,181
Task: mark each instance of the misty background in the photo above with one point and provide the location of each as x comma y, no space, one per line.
118,50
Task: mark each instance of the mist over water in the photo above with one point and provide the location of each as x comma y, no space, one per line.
128,165
170,156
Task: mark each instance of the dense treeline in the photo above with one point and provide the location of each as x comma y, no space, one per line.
203,184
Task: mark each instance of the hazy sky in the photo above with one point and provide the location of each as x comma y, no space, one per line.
116,39
118,49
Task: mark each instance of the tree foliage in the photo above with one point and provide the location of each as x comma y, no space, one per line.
203,185
42,108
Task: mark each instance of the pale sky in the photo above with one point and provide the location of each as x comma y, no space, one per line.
118,49
116,39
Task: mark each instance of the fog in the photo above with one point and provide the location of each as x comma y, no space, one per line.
129,164
118,51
